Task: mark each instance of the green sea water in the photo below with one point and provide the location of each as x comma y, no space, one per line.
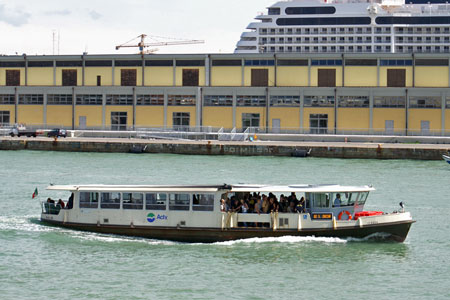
41,262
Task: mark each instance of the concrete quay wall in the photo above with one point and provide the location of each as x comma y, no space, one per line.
315,149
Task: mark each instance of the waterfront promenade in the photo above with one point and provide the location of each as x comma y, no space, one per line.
364,150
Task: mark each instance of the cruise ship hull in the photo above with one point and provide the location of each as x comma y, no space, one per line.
395,231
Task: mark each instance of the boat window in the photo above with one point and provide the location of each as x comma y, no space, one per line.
362,198
155,201
88,200
133,200
321,200
347,199
203,202
179,201
110,200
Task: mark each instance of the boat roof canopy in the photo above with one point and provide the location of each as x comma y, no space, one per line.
301,188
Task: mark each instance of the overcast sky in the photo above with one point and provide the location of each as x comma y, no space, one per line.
97,26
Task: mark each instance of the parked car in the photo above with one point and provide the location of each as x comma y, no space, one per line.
57,132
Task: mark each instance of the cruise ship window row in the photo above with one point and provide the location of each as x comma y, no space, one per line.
323,31
325,49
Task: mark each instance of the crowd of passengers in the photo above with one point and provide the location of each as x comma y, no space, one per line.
263,204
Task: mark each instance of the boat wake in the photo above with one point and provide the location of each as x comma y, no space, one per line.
23,223
286,239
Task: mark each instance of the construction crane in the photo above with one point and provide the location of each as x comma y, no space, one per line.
142,44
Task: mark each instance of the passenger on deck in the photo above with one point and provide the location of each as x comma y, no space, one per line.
293,197
50,200
236,206
257,209
228,204
61,203
70,202
301,205
337,201
223,205
283,204
291,208
265,204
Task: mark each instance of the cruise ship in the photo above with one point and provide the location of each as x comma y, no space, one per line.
350,26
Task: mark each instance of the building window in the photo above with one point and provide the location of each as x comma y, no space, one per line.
4,117
318,123
182,100
250,121
110,201
157,100
260,77
353,101
69,77
319,101
216,100
31,99
56,99
89,100
259,62
203,202
292,101
12,77
132,201
99,80
128,77
190,77
118,120
396,77
181,120
259,101
88,200
326,78
447,100
425,102
119,99
155,201
7,99
179,201
389,101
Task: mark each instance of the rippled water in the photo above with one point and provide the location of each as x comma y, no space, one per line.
41,262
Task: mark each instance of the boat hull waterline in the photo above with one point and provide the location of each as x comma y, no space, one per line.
396,231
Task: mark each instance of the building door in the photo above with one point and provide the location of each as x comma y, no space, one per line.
181,121
326,78
82,122
318,123
425,127
251,121
396,77
4,118
128,77
260,77
119,120
69,77
389,127
190,77
12,77
276,125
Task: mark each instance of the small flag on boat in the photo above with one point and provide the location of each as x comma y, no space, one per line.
35,193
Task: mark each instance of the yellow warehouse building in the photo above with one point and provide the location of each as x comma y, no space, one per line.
402,94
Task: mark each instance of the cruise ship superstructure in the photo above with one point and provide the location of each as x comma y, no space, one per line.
350,26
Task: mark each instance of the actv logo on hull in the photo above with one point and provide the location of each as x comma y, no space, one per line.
151,217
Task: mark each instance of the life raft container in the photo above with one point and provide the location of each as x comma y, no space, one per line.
345,212
367,214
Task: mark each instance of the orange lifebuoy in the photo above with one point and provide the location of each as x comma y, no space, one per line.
346,212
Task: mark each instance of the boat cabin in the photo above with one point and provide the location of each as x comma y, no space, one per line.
225,206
